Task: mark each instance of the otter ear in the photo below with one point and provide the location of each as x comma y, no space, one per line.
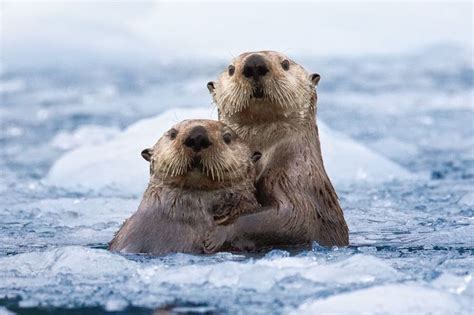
211,87
256,156
314,78
146,154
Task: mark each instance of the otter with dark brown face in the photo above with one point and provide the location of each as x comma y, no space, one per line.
201,174
270,102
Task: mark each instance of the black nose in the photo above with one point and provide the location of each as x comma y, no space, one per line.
197,139
255,67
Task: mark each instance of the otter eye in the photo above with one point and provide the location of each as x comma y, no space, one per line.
227,137
285,64
231,70
173,133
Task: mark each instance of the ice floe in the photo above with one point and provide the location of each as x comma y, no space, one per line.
361,284
387,299
117,164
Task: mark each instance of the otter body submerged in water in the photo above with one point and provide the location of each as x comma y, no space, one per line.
270,102
201,174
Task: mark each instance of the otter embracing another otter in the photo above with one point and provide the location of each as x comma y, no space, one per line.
201,175
270,102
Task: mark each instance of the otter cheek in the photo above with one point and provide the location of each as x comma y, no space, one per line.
152,166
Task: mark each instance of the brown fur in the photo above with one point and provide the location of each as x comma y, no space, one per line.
301,205
184,201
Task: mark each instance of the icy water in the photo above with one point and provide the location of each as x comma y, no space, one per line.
412,241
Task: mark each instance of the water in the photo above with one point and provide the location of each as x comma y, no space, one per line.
412,240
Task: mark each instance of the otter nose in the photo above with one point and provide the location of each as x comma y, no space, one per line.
255,67
198,139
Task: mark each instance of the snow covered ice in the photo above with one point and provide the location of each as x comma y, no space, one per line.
397,141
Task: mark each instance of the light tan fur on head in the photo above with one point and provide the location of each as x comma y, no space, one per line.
288,87
217,166
202,175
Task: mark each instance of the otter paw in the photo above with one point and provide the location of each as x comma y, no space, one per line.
214,239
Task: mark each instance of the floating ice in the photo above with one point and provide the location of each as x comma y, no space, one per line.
85,135
454,284
4,311
74,276
468,199
412,241
41,277
122,168
387,299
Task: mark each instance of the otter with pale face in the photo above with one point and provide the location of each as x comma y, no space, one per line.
201,174
270,102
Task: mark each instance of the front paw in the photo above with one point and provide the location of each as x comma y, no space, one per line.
215,239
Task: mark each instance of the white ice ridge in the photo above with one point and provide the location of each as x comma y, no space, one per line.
387,299
118,165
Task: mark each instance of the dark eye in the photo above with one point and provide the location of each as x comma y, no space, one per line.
173,133
227,137
231,70
285,64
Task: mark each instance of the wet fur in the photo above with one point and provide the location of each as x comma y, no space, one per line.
292,185
176,220
181,204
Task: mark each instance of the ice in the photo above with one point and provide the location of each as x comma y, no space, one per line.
11,86
388,299
411,241
468,199
83,136
36,275
123,169
115,282
454,284
63,221
4,311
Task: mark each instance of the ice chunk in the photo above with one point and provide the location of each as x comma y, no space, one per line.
387,299
452,283
48,276
12,86
84,135
73,275
118,165
4,311
347,160
468,199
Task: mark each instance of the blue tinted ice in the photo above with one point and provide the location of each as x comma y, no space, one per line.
412,237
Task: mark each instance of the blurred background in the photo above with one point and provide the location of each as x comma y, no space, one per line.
67,64
397,81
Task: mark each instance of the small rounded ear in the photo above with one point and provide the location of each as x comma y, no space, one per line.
146,154
210,86
314,78
256,156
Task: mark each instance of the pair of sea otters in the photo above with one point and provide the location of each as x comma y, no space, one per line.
253,180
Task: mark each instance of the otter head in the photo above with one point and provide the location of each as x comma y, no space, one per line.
200,154
263,82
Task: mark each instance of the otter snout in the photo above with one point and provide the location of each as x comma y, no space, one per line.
255,67
198,139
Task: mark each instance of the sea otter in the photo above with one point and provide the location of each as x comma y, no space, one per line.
270,102
201,174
